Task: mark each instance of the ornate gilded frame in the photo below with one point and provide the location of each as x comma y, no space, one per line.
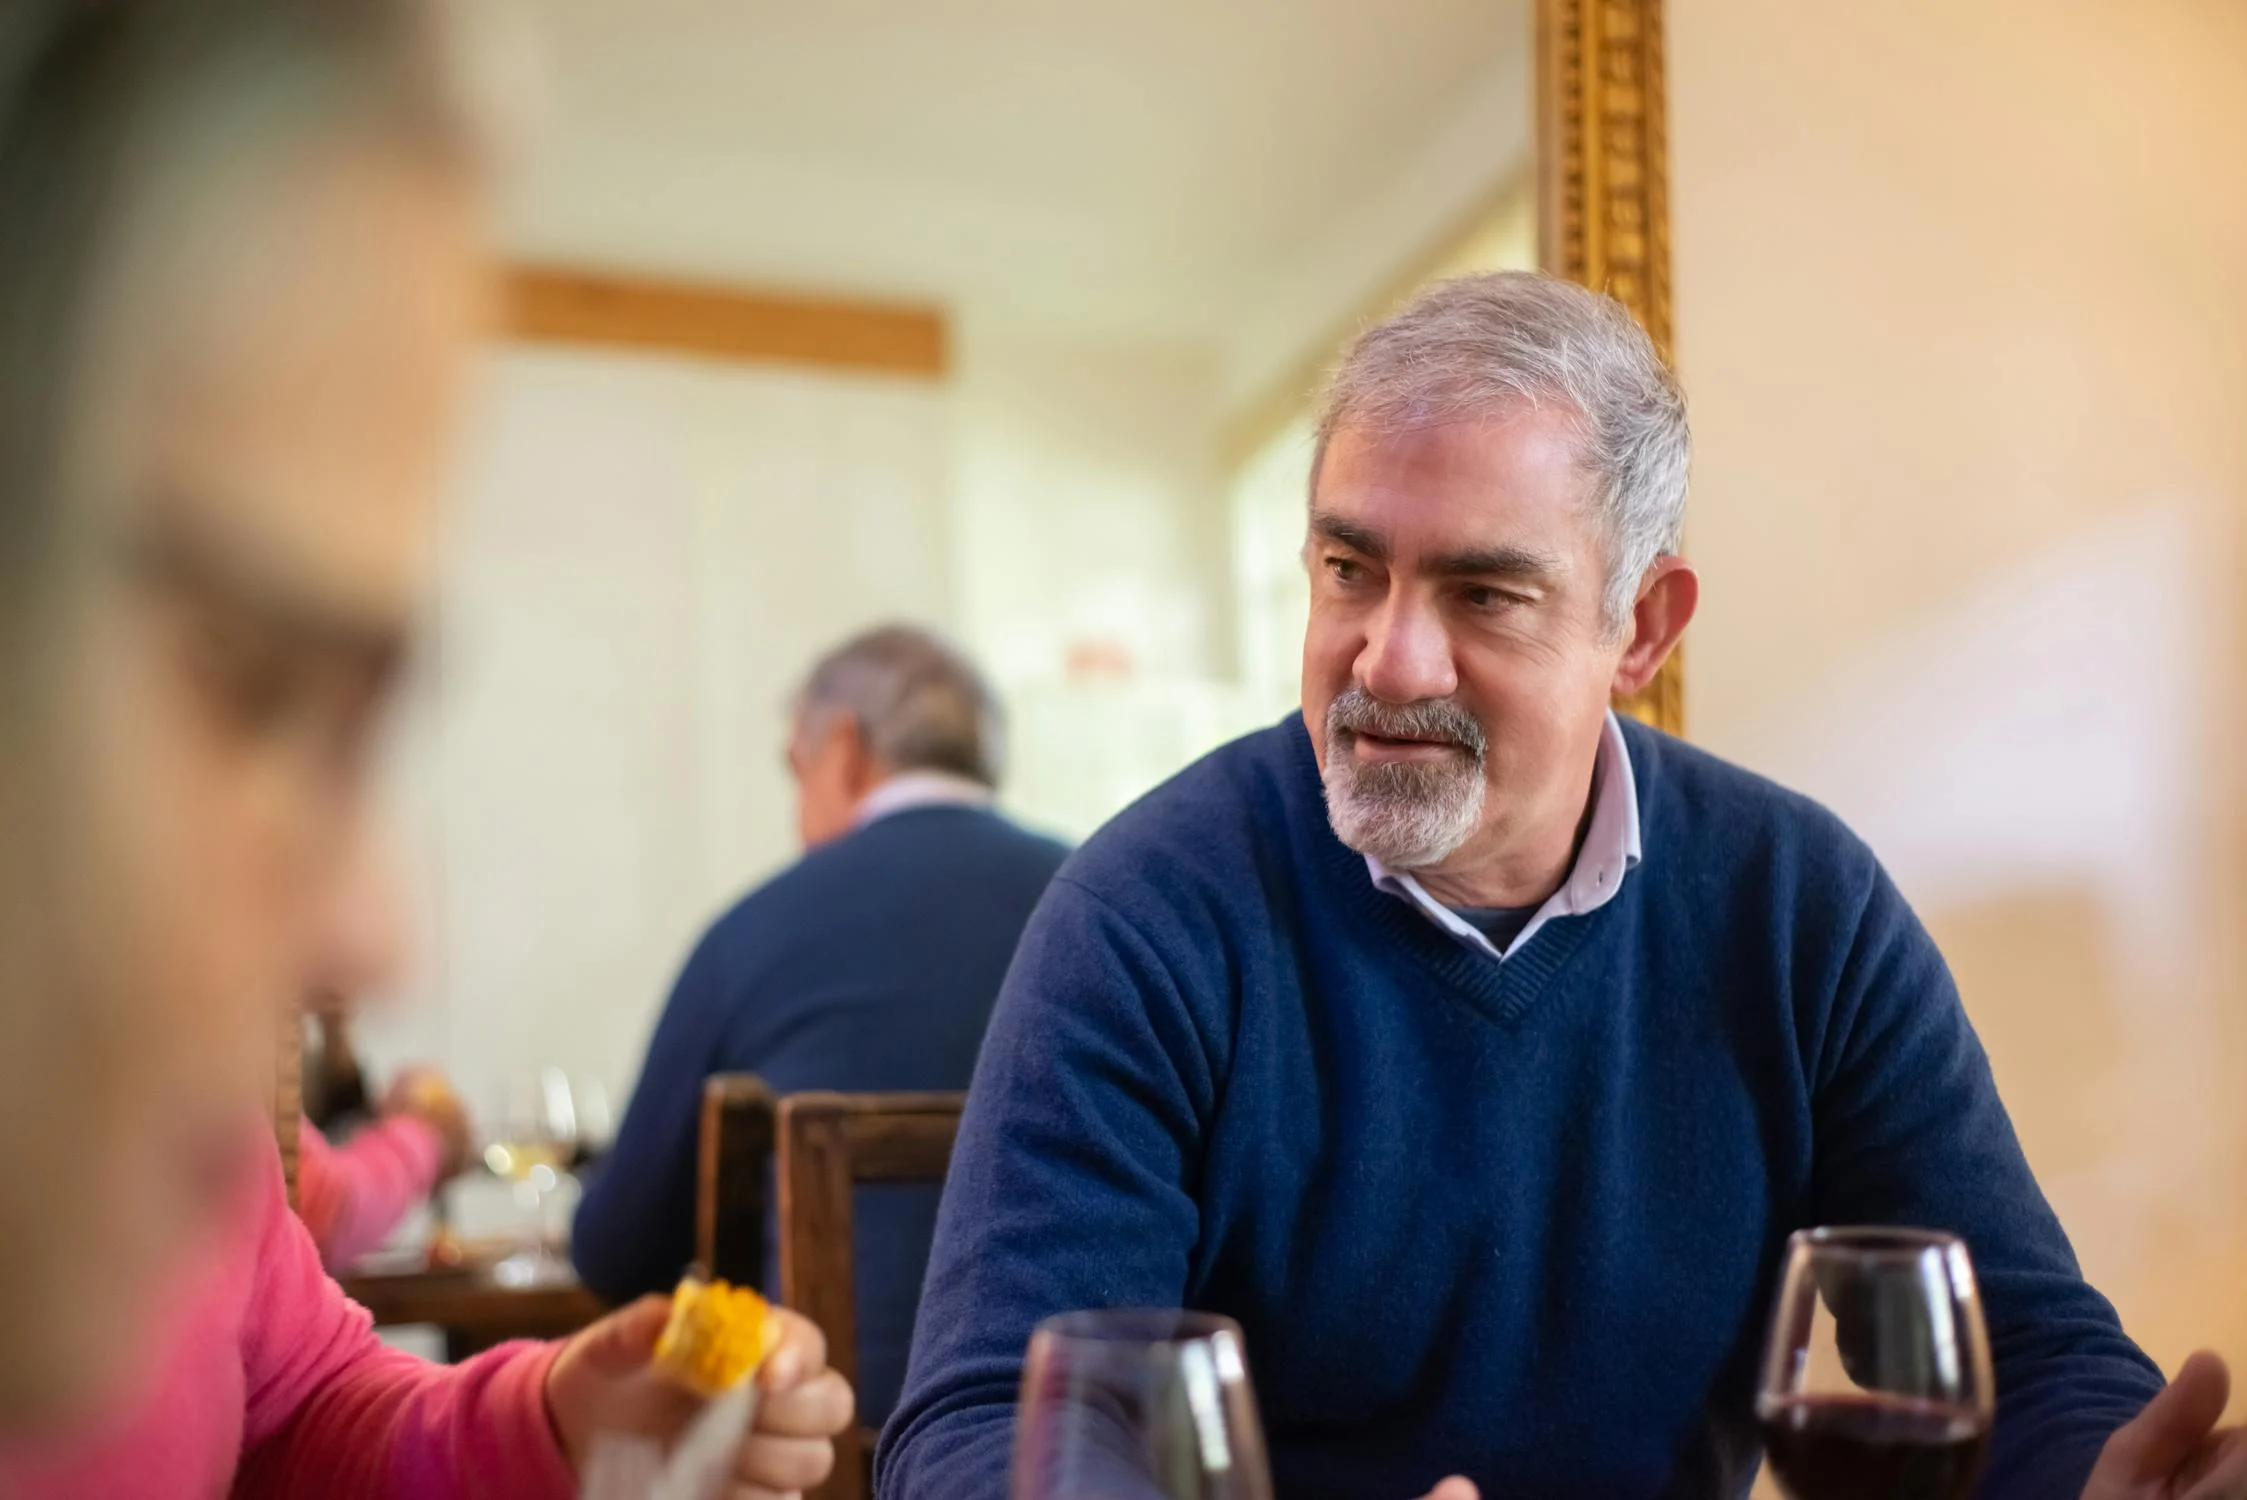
1603,209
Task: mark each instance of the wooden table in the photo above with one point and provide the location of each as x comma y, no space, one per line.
474,1311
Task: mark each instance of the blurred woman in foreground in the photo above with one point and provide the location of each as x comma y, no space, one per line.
238,277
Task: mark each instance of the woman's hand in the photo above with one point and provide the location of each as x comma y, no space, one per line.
423,1093
603,1382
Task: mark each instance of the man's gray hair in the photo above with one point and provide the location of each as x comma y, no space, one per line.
920,703
1466,347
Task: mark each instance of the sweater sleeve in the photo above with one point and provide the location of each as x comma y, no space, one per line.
351,1196
1072,1185
634,1230
1910,1130
334,1412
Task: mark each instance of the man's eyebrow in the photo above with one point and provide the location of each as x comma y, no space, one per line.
1362,539
236,579
1521,563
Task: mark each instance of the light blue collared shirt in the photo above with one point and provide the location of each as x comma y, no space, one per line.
910,789
1611,850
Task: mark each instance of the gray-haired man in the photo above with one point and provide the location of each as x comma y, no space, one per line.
871,964
1477,1051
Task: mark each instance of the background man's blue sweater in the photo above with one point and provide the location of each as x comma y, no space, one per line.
871,964
1519,1221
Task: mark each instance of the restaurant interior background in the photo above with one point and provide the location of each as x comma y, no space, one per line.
1961,309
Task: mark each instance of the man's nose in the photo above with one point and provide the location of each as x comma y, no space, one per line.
1407,655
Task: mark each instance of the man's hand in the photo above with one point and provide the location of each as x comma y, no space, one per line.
2173,1450
603,1382
1455,1488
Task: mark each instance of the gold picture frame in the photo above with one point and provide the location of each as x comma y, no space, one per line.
1603,210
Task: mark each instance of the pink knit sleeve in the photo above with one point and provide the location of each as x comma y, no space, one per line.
351,1196
334,1412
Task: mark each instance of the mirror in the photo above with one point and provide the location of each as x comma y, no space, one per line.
1001,316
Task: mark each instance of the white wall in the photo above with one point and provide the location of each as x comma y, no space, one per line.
645,556
1092,551
1088,505
1962,313
1445,181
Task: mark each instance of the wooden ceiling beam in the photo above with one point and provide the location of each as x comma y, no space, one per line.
553,305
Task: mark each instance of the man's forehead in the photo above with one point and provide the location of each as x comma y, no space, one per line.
1512,449
1455,487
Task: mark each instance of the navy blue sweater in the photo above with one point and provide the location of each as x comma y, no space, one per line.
872,964
1518,1221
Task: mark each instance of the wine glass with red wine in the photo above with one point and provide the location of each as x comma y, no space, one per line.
1150,1404
1877,1382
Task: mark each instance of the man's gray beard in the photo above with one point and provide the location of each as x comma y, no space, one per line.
1407,816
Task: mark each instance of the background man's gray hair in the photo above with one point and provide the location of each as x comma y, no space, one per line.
921,705
1481,343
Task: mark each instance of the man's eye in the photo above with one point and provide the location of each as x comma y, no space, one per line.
1483,596
1345,569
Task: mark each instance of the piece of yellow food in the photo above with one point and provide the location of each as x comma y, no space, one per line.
718,1335
428,1091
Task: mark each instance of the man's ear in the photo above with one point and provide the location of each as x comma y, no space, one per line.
1667,597
861,772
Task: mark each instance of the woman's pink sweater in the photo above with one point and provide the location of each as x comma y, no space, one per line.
268,1381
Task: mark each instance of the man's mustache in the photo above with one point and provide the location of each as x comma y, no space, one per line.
1439,720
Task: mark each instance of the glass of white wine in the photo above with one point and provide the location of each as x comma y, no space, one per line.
538,1137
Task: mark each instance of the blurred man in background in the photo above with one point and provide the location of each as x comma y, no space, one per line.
871,964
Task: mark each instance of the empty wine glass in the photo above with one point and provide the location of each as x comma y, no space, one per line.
1138,1405
538,1134
1877,1378
596,1121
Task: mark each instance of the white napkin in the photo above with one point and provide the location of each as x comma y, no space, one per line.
632,1468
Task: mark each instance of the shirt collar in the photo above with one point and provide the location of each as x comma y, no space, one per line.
911,789
1611,851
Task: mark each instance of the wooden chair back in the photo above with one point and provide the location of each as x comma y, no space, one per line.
827,1145
732,1169
288,1095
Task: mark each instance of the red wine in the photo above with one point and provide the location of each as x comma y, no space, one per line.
1872,1447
